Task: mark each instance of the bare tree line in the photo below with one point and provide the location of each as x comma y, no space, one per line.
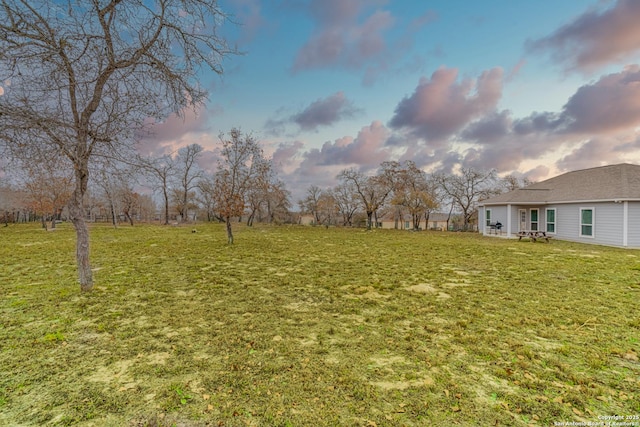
403,188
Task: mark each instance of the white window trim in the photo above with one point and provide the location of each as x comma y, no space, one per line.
487,217
537,221
593,223
555,220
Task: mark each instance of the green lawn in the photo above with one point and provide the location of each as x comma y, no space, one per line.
297,326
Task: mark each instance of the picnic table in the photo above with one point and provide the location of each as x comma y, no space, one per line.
534,235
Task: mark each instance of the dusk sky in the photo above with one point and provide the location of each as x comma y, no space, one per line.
529,88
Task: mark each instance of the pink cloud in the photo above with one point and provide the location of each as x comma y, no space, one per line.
165,137
441,106
602,150
355,35
366,150
321,166
286,155
610,104
595,38
595,152
340,39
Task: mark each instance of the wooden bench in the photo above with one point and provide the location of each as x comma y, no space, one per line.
534,236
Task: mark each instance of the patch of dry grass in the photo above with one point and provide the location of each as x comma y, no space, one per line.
311,326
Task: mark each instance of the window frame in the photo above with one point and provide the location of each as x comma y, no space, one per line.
487,217
547,222
536,222
592,224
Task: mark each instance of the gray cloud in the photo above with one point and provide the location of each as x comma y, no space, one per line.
322,112
595,38
325,112
610,104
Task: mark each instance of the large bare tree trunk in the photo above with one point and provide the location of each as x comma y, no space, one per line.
166,206
229,231
76,212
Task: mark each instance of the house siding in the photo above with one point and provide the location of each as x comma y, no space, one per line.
607,227
608,221
498,214
634,224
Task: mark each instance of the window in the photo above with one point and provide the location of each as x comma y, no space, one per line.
488,217
551,220
406,225
586,222
534,219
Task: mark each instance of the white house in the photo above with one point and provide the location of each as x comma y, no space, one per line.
599,205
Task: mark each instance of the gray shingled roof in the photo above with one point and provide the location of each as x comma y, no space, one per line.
605,183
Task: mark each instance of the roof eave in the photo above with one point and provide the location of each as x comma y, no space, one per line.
560,202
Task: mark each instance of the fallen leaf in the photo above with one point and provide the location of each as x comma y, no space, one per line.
577,412
209,407
558,399
446,392
456,409
206,396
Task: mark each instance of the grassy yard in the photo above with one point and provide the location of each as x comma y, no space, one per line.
300,326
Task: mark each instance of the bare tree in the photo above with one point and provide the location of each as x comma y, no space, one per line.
145,207
372,190
512,182
258,192
241,162
278,202
107,183
206,187
12,201
48,185
160,171
413,192
310,204
346,200
129,202
188,172
467,188
84,78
